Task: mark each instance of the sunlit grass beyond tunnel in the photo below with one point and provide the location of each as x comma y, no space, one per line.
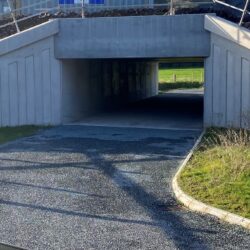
180,78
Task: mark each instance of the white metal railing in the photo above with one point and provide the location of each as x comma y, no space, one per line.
244,11
14,11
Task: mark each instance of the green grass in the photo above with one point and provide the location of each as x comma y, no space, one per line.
219,171
180,78
12,133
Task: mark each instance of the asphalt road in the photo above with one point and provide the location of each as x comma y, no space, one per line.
91,187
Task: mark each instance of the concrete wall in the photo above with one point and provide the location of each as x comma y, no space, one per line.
30,91
227,90
91,86
133,37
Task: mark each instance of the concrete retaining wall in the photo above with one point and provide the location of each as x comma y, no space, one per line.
30,85
227,90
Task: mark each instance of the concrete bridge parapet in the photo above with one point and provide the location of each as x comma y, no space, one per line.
133,37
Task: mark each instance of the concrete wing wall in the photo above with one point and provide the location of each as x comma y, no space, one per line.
133,37
30,91
227,89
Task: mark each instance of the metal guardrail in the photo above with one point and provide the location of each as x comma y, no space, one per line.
244,11
16,11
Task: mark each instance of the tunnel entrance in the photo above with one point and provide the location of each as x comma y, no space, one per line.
134,93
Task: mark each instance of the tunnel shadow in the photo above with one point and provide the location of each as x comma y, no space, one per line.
177,104
154,206
166,110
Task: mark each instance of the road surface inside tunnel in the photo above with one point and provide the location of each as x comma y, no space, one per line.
176,109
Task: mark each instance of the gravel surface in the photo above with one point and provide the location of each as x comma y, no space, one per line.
80,187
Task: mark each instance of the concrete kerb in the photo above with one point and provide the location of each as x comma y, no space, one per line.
198,206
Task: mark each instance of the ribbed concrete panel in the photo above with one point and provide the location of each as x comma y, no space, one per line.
56,90
228,75
245,116
208,93
0,93
13,93
233,90
22,92
5,104
38,88
230,88
218,95
46,85
30,87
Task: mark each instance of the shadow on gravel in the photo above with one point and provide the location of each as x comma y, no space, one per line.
162,213
73,213
170,223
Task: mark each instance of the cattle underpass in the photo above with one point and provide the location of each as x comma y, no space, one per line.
68,69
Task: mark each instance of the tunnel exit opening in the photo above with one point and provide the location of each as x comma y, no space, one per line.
133,93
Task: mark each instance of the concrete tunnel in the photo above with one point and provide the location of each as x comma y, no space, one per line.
68,69
124,92
112,63
93,86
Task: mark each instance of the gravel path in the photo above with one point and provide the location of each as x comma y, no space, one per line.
80,187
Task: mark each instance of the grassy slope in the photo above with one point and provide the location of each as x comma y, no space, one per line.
185,78
219,175
9,134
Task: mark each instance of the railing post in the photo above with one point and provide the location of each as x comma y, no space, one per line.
244,12
174,78
82,8
172,7
13,16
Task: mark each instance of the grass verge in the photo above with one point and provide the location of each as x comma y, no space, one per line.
218,173
12,133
